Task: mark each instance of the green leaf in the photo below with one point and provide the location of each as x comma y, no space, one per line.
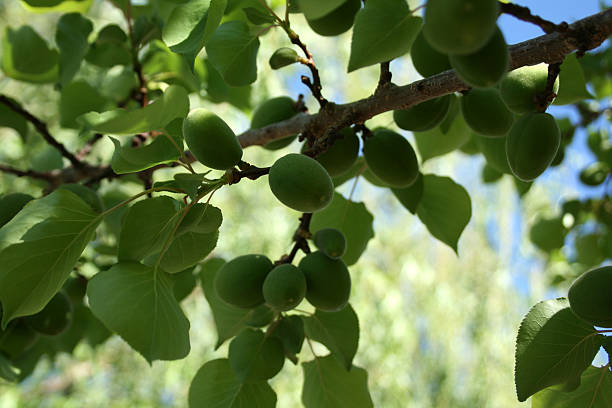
445,209
410,197
164,149
11,119
77,98
257,16
7,371
174,103
216,386
217,90
314,9
110,48
137,302
436,142
38,249
494,152
338,331
71,38
290,331
183,284
229,320
572,85
191,25
160,63
146,226
384,30
356,170
232,50
595,391
57,6
352,219
548,233
202,218
254,357
553,347
187,250
27,57
328,385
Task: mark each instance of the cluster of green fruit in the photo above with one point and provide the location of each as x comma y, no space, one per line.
321,277
464,36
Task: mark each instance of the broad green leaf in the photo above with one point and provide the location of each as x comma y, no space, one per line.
137,302
384,30
595,391
494,152
146,226
191,25
572,85
57,6
548,233
183,284
290,331
229,320
358,168
589,249
217,90
553,347
110,48
11,119
77,98
352,219
27,57
174,103
71,38
410,197
338,331
314,9
216,386
255,357
187,250
328,385
7,371
161,64
165,148
257,16
436,142
118,83
47,159
202,218
445,209
232,50
38,249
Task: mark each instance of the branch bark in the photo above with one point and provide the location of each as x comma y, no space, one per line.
581,36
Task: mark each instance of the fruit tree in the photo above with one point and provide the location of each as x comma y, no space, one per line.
84,254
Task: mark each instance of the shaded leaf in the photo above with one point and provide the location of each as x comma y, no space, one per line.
187,250
11,119
436,142
572,85
57,6
71,38
410,197
595,391
7,371
290,331
137,302
77,98
27,57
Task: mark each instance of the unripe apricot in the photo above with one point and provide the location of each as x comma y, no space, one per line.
301,183
589,296
391,157
485,112
520,87
211,140
487,66
459,26
331,242
284,287
423,116
532,145
341,155
54,318
327,280
239,282
272,111
426,60
338,21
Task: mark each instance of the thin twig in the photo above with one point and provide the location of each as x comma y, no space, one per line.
300,236
545,98
385,75
523,13
246,171
314,85
85,150
135,62
43,130
48,177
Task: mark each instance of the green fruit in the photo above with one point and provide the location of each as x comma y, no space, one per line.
589,249
494,152
471,146
532,145
75,288
17,339
255,357
595,174
520,87
301,183
589,296
11,204
341,155
327,280
331,242
485,112
338,21
54,318
272,111
260,316
423,116
487,66
426,60
490,174
282,57
459,26
391,158
211,140
86,194
284,287
548,233
239,282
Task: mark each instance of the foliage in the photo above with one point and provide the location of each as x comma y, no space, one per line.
126,261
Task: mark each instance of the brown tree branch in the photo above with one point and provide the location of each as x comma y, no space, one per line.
523,13
43,130
85,150
582,35
48,177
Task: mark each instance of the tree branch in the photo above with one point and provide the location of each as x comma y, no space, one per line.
523,13
48,177
43,130
582,35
